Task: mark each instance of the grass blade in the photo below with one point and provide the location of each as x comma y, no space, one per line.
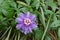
7,38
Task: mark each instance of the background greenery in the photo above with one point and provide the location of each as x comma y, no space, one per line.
48,17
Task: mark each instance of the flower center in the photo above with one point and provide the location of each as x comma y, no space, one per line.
27,21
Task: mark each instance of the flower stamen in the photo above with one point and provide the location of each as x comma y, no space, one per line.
27,21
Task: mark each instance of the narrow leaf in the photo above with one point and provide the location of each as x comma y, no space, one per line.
7,38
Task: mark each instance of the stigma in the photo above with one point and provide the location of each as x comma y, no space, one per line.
27,21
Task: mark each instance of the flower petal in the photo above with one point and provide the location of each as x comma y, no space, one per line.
33,17
18,26
26,30
21,15
30,29
19,20
28,14
33,26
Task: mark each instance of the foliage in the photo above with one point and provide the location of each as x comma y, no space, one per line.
48,17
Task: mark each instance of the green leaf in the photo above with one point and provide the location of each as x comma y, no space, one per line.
7,38
58,14
59,33
6,9
28,1
52,5
54,17
5,33
58,11
22,3
8,12
38,34
1,1
47,37
36,3
13,4
23,37
55,23
48,12
15,37
24,9
19,6
42,17
1,17
18,35
59,2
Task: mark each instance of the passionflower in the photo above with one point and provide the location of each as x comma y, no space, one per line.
26,22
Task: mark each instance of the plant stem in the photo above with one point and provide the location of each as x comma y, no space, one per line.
46,28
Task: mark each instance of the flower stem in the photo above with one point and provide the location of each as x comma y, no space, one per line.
46,28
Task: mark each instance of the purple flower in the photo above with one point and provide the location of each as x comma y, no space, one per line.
26,22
